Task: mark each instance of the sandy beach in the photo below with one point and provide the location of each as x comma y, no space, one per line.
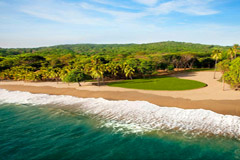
211,97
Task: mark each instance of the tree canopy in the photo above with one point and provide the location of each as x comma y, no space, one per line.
75,63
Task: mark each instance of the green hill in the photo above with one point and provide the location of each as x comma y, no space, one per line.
89,49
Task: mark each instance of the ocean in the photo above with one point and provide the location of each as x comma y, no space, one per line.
41,126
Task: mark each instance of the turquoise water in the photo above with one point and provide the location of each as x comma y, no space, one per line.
52,132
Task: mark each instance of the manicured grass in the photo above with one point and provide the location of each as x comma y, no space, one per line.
161,83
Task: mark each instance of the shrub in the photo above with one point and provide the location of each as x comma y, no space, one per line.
170,67
75,76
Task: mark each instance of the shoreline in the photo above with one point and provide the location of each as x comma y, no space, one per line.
226,107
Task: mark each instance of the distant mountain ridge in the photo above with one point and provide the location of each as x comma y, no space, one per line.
146,48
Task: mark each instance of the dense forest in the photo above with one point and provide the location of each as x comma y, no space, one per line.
114,49
75,63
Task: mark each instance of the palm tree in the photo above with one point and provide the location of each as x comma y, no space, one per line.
235,48
128,71
102,68
5,75
44,73
230,53
96,73
97,68
54,74
64,73
113,69
217,54
224,67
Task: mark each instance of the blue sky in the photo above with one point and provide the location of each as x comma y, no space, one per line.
34,23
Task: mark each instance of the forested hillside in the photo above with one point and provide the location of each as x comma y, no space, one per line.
89,49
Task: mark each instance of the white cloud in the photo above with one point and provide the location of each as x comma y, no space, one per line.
193,7
78,13
114,4
147,2
61,12
118,15
93,14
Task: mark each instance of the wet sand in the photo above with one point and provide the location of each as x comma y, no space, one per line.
227,107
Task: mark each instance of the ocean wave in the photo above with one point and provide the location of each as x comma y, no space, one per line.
140,116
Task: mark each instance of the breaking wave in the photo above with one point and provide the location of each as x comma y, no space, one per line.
139,116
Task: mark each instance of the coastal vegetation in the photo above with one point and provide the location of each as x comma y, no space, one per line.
231,72
81,62
230,66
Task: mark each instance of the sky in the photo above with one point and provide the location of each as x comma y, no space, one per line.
35,23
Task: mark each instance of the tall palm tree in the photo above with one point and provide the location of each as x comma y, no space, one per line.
235,48
54,74
64,73
96,73
113,68
97,68
217,54
128,71
230,53
224,67
102,69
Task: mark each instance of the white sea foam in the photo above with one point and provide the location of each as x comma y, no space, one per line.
138,115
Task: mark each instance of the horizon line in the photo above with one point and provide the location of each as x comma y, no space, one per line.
47,46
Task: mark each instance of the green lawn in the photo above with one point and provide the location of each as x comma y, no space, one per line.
161,83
